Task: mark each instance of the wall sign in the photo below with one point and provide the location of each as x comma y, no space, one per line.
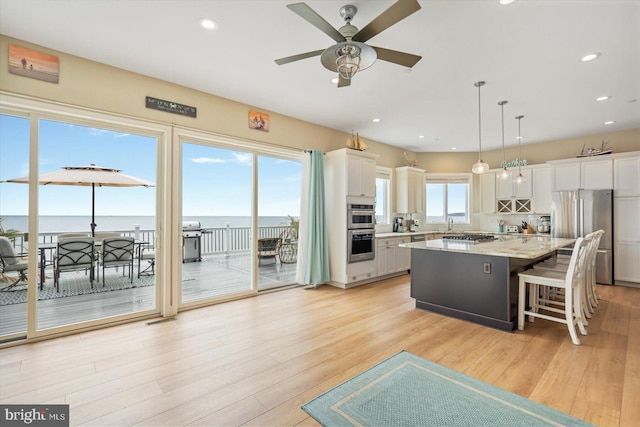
514,163
171,107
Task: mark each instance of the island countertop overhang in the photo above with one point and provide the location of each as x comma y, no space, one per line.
526,247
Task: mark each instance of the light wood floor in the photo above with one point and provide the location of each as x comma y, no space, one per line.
256,361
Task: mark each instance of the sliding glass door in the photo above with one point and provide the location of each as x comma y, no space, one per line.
14,221
240,211
278,216
94,183
217,222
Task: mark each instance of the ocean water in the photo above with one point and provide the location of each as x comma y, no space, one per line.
60,224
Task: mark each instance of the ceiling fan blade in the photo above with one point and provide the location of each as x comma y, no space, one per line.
342,82
400,58
316,20
298,57
397,12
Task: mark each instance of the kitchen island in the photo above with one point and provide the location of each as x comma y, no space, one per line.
476,281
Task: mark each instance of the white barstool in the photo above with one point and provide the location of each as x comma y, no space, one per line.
590,294
570,283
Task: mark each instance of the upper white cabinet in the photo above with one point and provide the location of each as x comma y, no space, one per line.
541,180
507,189
409,190
512,197
361,175
488,193
350,173
626,177
583,173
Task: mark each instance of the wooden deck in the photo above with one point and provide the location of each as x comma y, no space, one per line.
214,276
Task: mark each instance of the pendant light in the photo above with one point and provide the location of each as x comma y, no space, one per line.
519,179
479,166
504,174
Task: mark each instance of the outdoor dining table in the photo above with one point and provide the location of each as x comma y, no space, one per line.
49,247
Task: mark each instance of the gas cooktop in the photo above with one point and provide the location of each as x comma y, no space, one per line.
475,238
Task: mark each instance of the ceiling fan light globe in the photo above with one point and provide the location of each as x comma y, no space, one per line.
349,62
480,167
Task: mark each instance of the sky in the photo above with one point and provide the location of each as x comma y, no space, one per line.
216,181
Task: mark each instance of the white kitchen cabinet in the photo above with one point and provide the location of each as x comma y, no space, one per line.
409,190
361,175
626,177
358,272
583,173
541,180
596,175
627,262
512,197
488,193
626,214
403,256
626,228
386,256
348,175
391,257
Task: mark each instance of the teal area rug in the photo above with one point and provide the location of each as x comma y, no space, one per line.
76,283
406,390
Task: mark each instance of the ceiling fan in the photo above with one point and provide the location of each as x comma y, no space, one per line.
350,54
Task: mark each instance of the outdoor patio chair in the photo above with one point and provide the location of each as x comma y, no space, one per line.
74,254
268,248
12,261
147,253
116,252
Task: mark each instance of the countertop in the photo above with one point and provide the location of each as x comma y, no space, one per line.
512,246
412,233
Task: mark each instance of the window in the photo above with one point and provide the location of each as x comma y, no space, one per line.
383,195
447,196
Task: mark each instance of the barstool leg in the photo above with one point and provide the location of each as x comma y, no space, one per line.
521,287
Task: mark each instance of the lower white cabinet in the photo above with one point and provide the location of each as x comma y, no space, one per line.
627,262
626,239
392,258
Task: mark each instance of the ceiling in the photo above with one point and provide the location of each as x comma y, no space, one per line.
528,53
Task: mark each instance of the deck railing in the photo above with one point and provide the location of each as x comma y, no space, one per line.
215,240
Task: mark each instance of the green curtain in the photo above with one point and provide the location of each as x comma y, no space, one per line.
317,250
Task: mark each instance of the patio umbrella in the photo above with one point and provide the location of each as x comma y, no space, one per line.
92,175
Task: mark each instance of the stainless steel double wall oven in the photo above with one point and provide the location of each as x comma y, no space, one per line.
361,219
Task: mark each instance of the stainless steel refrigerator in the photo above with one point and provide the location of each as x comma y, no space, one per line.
577,213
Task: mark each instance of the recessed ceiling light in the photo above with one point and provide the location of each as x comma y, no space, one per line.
208,24
375,120
602,98
610,122
453,148
506,1
421,136
335,80
590,57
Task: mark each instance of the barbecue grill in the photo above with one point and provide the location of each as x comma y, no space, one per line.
191,241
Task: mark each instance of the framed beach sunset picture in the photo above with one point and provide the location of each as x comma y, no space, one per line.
31,63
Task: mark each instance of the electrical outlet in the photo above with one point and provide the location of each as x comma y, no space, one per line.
487,268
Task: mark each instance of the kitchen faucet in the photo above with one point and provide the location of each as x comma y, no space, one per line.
450,226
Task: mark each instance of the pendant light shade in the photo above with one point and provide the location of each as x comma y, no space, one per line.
504,173
519,179
480,166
